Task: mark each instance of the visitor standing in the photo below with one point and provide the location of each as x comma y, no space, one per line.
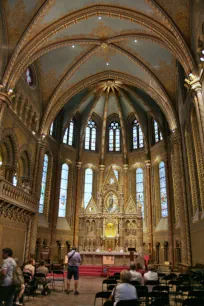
74,260
7,288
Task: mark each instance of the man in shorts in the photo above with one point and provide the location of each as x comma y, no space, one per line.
74,260
7,288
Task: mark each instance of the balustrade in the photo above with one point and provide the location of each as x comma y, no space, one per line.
17,196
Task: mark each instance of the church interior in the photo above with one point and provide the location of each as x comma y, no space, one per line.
102,130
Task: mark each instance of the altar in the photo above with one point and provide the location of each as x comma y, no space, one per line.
109,258
107,223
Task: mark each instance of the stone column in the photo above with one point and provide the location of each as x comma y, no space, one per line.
170,217
27,249
37,177
180,196
101,177
192,173
149,212
101,181
5,101
77,205
199,106
33,238
125,169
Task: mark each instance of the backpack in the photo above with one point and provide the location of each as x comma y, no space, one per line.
18,278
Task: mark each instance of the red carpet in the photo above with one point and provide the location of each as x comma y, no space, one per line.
90,270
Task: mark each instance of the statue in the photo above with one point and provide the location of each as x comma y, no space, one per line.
45,244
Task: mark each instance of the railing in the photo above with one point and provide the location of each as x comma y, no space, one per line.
17,196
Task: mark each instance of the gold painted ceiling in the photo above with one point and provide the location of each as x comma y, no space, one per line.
77,44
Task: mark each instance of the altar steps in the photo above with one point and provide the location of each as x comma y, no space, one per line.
89,270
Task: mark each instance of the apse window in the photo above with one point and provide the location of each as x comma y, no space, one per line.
157,132
116,173
163,190
51,131
88,186
15,180
137,136
90,136
43,184
114,137
69,134
140,189
63,191
30,77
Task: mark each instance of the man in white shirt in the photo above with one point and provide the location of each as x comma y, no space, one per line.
151,275
136,276
7,288
74,260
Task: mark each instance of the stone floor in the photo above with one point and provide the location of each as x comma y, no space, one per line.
88,286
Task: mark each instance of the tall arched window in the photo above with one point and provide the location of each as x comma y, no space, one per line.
116,173
163,192
63,190
140,188
43,184
157,133
15,180
51,129
137,136
88,186
69,134
114,137
90,136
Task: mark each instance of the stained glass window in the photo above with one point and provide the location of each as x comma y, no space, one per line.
51,129
90,136
30,78
157,133
140,189
15,180
69,134
137,136
88,185
114,137
163,192
43,184
116,173
63,190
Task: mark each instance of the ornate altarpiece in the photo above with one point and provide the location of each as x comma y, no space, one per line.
108,223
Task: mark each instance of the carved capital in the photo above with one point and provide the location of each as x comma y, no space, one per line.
5,98
148,163
196,87
125,167
101,167
78,165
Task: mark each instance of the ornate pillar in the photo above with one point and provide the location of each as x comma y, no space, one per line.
199,106
199,158
170,217
5,101
77,205
101,178
180,196
27,249
125,169
149,212
37,177
33,238
192,173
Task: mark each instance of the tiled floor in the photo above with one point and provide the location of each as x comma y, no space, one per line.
88,286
